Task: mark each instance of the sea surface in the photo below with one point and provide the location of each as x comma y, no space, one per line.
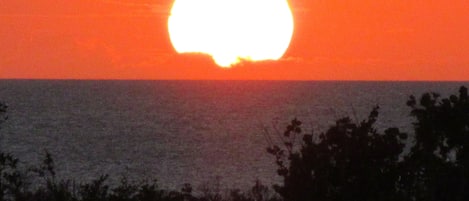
184,131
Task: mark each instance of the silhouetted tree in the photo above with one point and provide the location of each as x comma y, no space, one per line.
437,167
354,162
350,162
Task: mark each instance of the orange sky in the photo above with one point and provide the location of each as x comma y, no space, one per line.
333,40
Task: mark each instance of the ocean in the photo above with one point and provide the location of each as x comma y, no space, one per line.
184,131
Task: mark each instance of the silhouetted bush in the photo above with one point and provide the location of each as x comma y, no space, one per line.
10,177
348,162
437,167
354,162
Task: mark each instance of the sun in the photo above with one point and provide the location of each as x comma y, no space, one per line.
231,30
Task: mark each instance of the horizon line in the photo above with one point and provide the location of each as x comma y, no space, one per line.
279,80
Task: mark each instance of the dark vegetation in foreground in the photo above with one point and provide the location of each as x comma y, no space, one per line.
349,162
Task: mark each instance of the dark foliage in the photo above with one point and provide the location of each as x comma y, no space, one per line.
354,162
10,177
348,162
438,166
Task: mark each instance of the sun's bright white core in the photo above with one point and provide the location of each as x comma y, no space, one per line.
231,30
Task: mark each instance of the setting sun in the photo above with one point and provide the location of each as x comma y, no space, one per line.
231,30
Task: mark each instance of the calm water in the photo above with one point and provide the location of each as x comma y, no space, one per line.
183,131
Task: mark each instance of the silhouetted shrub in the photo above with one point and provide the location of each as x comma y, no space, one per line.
348,162
11,183
354,162
258,192
437,167
149,192
124,192
95,191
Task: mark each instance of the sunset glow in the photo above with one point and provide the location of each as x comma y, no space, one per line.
181,39
232,30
